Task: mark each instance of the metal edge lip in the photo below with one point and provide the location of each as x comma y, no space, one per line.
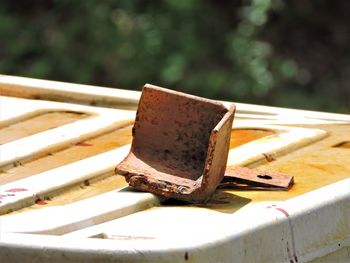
112,97
331,200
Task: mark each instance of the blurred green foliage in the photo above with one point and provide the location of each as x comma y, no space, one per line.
284,53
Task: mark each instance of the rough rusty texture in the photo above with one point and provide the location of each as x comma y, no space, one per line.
180,145
256,179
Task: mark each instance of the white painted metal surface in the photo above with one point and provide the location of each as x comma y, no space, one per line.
81,212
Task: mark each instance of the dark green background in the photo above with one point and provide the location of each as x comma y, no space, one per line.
284,53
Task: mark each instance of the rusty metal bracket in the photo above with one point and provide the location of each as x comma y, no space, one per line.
180,145
255,179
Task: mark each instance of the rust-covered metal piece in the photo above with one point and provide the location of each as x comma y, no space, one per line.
180,145
255,179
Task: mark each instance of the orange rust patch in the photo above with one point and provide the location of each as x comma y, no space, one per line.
97,145
242,136
36,124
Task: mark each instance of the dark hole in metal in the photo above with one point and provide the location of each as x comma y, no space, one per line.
247,178
345,144
267,177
